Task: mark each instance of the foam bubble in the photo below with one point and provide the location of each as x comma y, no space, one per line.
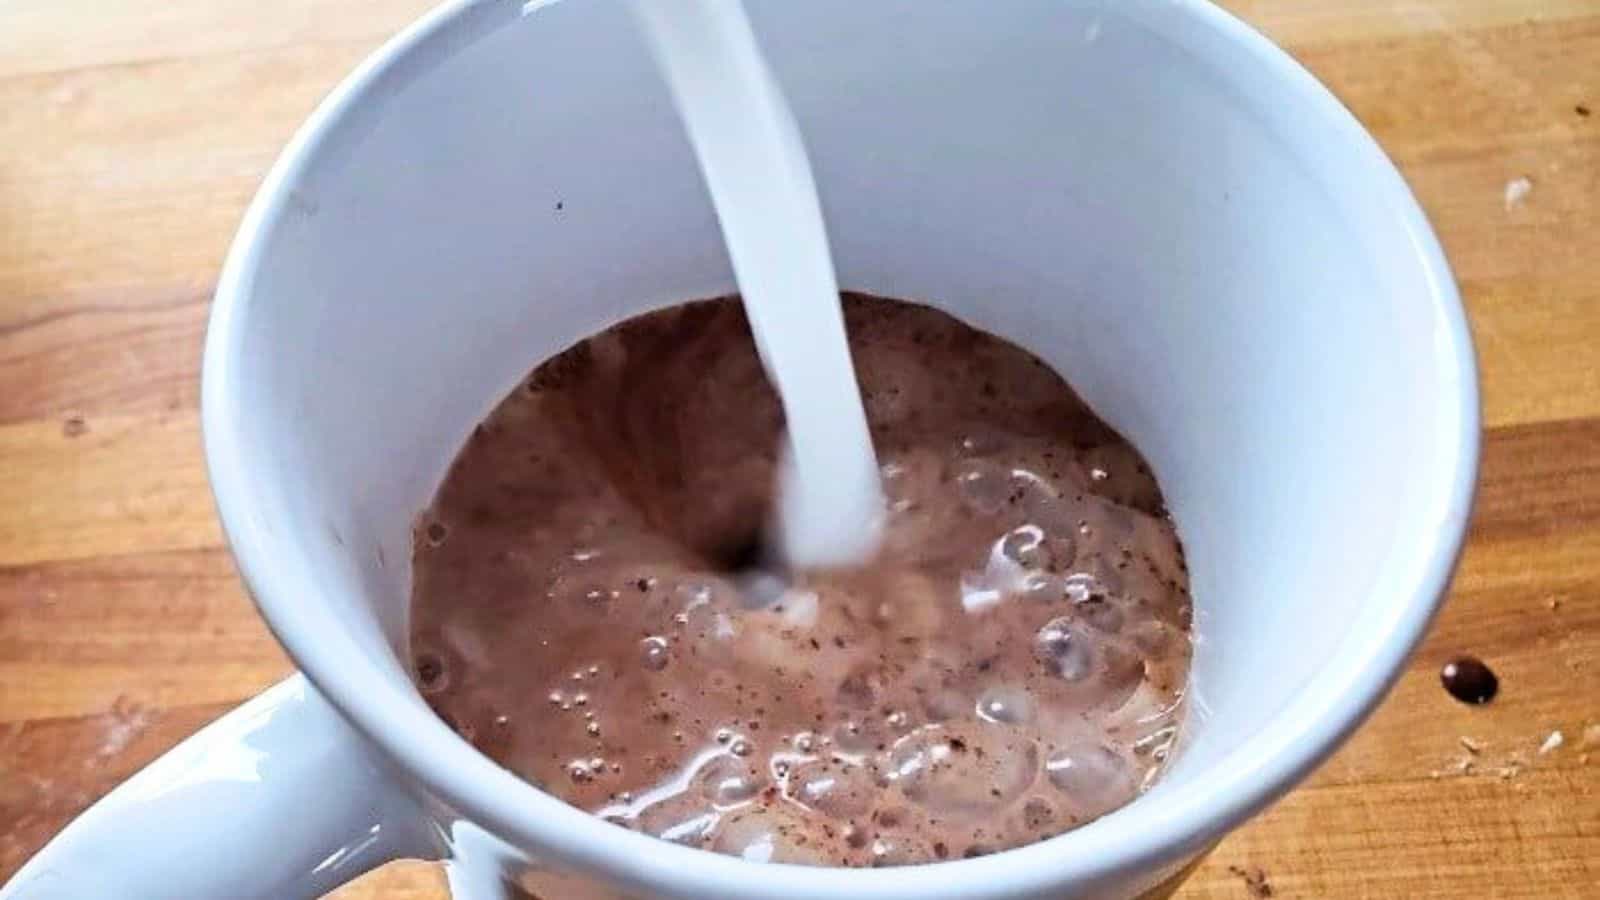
985,486
727,782
679,819
1101,614
433,675
436,533
1041,587
1025,545
767,834
1080,587
655,653
700,603
964,770
838,790
1093,778
1065,649
1006,705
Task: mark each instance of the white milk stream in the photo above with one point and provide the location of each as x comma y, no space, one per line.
830,501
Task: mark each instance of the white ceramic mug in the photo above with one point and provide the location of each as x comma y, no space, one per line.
1144,192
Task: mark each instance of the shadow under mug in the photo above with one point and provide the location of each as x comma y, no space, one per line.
1145,193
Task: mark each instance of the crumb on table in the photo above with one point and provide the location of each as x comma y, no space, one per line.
1255,880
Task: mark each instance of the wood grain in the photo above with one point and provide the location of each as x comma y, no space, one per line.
134,133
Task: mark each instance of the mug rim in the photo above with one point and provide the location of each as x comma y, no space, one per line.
1187,820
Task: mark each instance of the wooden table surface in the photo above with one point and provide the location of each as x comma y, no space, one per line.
133,133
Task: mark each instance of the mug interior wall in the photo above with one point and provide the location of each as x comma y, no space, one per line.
1073,176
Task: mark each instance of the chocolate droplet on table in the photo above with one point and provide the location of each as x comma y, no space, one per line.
1469,680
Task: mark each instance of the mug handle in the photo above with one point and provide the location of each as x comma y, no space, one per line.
279,798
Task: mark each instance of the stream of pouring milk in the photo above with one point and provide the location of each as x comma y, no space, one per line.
830,501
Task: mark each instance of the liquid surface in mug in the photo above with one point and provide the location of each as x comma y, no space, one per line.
588,610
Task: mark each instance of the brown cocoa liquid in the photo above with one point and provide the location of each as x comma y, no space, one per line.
590,608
